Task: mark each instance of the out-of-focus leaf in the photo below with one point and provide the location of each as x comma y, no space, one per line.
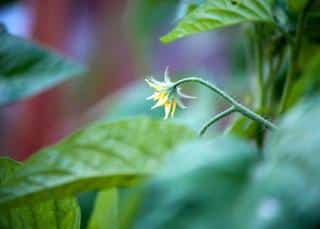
309,83
199,187
100,156
27,69
105,213
214,14
298,140
296,6
51,214
220,186
286,191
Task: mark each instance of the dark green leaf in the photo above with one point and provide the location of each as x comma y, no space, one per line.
214,14
105,213
309,82
101,156
26,68
51,214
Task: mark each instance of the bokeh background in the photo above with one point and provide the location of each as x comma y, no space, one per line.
118,41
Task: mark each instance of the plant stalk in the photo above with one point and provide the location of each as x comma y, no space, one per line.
294,53
236,105
216,118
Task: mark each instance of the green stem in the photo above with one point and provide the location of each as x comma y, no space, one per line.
294,53
259,65
237,106
269,85
216,118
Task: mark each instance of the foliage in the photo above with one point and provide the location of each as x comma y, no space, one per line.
27,69
226,187
63,213
101,156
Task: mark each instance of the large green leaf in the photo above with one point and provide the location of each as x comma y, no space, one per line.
199,186
105,213
101,156
214,14
26,68
51,214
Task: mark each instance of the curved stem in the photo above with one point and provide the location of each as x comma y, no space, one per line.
237,106
216,118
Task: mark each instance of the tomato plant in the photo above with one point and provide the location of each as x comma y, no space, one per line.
262,172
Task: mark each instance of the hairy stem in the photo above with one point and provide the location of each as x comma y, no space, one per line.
216,118
237,106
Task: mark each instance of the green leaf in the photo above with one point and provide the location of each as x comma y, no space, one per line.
51,214
104,155
27,69
199,186
214,14
105,213
298,140
309,82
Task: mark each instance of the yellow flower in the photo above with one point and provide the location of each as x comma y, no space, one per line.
166,95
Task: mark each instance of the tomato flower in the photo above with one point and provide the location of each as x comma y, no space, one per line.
166,94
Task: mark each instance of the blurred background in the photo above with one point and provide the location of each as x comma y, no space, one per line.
118,41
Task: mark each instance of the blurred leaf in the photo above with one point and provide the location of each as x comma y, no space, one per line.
105,213
27,69
104,155
309,82
199,187
296,6
214,14
298,140
286,191
51,214
218,184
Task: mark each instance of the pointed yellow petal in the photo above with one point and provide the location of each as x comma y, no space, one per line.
162,101
173,109
154,96
167,108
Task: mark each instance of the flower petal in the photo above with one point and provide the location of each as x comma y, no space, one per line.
166,76
173,108
163,99
167,108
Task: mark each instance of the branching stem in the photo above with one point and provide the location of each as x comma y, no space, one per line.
235,105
